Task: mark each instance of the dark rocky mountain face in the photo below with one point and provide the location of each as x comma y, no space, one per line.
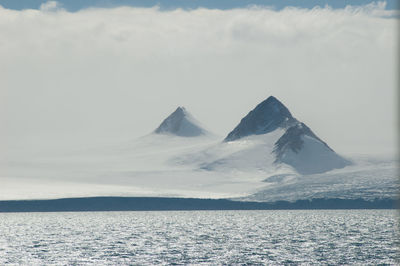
266,117
180,123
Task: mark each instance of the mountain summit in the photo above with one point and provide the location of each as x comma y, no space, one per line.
266,117
181,123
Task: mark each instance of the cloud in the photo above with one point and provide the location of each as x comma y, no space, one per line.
50,6
76,77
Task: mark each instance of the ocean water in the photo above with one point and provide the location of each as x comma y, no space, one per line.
355,237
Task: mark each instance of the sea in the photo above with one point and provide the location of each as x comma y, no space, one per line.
273,237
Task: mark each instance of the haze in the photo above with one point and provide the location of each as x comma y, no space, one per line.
106,75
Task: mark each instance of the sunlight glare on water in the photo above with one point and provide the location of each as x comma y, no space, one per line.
210,237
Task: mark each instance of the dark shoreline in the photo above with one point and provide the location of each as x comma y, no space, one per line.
181,204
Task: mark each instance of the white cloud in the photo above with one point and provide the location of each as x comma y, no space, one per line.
76,77
50,6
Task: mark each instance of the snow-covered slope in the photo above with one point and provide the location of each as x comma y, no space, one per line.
144,167
248,155
181,123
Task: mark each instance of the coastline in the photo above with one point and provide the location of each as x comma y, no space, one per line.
185,204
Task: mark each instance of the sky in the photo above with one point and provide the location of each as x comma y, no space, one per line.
75,5
76,75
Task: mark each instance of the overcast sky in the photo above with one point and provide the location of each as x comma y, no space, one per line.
97,75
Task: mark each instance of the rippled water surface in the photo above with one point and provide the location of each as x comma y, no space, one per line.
201,237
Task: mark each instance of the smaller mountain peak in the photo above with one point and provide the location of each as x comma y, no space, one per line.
180,123
293,139
267,116
300,148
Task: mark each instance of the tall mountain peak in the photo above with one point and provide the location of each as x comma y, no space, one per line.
267,116
180,123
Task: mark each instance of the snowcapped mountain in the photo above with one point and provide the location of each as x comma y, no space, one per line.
181,123
269,156
298,146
